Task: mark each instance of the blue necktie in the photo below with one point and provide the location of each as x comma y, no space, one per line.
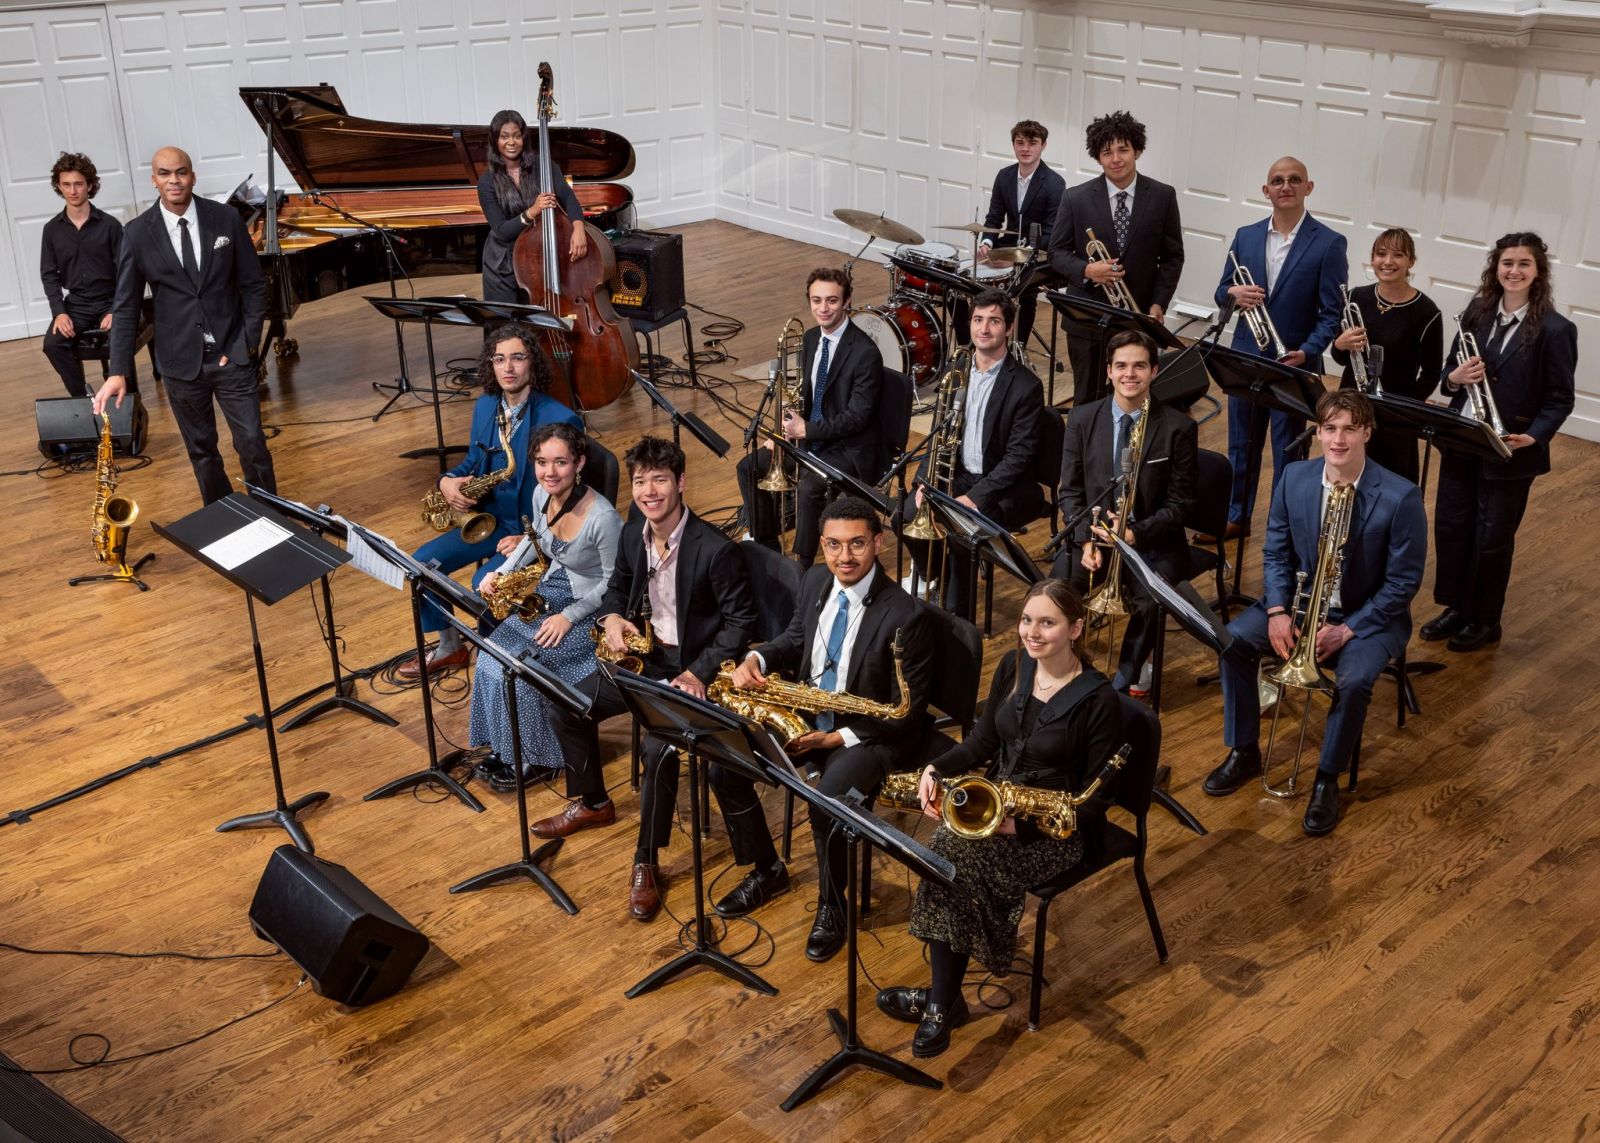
830,669
821,386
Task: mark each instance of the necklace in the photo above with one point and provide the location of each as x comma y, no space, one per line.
1039,683
1384,305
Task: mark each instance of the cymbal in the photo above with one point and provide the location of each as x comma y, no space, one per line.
878,226
972,228
1010,255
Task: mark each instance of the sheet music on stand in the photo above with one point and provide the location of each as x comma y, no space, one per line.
1181,602
366,558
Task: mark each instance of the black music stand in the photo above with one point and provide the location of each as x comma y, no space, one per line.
1098,321
437,772
486,313
836,479
849,814
322,523
1440,427
259,552
557,691
702,731
982,539
698,429
426,311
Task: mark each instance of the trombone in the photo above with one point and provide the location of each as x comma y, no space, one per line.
1480,395
1257,317
1117,293
784,390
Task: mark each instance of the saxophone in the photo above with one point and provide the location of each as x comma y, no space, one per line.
635,647
113,515
517,590
949,412
972,806
475,526
775,704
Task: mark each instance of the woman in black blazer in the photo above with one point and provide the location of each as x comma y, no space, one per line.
1529,355
508,193
1051,720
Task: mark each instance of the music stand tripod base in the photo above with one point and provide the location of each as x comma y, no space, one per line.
285,817
528,868
118,576
440,777
854,1055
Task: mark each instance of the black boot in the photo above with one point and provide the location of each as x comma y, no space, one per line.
1241,764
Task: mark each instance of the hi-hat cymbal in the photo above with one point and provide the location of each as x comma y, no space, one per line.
878,226
973,228
1010,255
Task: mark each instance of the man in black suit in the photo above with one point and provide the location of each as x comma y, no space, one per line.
1026,195
1137,219
995,457
690,582
841,638
1168,473
210,298
838,417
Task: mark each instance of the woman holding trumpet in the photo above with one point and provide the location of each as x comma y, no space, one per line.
1051,721
1401,322
1522,353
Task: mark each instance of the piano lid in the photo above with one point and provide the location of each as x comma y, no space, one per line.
328,149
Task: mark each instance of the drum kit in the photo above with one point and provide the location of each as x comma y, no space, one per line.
914,326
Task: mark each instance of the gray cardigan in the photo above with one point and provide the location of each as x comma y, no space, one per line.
588,559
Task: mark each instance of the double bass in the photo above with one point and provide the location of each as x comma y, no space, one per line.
599,354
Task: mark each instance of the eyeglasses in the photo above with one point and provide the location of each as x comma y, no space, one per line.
1287,181
500,359
857,546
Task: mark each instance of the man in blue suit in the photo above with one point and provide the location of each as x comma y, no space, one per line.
1369,620
1298,265
515,377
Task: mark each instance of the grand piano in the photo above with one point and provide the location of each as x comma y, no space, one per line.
416,181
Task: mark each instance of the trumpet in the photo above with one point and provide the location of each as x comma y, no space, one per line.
1350,318
1117,293
784,389
1481,396
1257,317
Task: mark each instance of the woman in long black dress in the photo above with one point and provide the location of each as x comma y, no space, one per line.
508,193
1406,323
1051,721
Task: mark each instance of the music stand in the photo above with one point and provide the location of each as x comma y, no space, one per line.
1097,321
849,814
835,478
259,552
513,667
488,314
426,311
1440,427
437,772
701,731
698,429
981,538
322,523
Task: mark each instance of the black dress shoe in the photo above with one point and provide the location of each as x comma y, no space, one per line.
827,934
491,765
1322,811
1442,626
754,891
1241,764
933,1033
503,780
903,1004
1474,635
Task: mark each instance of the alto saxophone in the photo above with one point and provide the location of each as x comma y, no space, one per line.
113,515
635,647
475,526
517,590
972,806
775,704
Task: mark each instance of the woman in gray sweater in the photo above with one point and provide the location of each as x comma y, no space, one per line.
576,529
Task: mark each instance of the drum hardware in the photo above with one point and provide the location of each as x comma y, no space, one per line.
878,226
977,228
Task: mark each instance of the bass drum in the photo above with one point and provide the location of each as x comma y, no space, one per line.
907,335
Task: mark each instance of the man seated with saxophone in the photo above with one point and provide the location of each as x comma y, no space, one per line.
837,418
479,505
679,602
1128,436
987,431
1051,722
545,593
855,632
1365,580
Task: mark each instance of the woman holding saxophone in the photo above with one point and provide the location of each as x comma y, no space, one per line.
574,535
1050,721
1527,353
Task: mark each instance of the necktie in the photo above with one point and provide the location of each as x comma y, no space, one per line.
821,386
830,669
1124,431
1120,219
190,266
1502,335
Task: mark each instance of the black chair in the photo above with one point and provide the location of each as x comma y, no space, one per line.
1209,517
1047,461
1106,844
95,344
1405,700
894,415
601,471
645,329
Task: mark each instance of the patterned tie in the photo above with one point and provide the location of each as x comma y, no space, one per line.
1120,219
830,669
190,266
821,386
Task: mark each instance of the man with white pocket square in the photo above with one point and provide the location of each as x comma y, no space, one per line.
210,300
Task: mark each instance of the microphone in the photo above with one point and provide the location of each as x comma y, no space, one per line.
1126,464
1033,235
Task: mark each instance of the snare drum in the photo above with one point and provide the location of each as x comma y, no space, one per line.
934,255
907,335
997,277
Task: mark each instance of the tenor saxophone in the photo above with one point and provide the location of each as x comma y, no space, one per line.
475,526
113,515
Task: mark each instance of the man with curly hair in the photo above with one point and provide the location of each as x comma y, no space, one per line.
78,265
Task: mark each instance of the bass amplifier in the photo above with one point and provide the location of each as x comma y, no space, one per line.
67,425
650,274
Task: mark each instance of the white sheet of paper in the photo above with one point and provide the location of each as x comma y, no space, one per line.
245,543
364,559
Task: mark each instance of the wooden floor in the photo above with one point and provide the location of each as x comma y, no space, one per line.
1428,971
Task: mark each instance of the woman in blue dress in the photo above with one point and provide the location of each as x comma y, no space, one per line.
576,529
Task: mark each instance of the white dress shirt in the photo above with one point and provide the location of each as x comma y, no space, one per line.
1278,249
1113,190
174,235
980,387
833,353
1503,329
817,660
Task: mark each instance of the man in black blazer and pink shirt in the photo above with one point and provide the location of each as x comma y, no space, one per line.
1026,194
1119,201
1168,476
838,418
841,638
997,455
690,582
210,298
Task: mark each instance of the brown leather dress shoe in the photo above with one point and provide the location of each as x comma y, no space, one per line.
644,891
411,671
575,817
